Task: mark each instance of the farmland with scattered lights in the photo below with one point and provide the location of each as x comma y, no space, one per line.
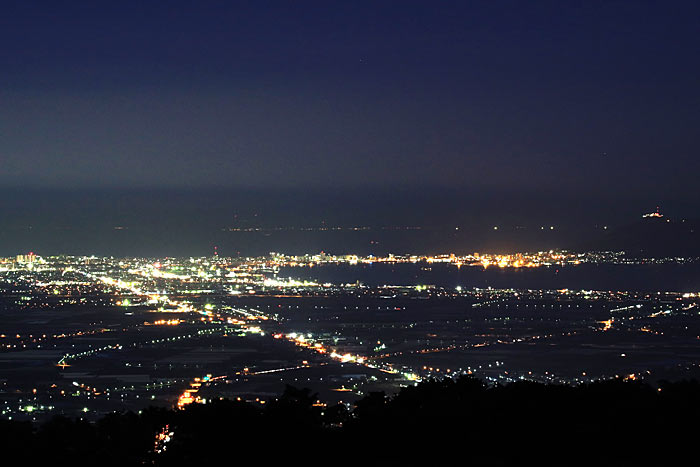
89,335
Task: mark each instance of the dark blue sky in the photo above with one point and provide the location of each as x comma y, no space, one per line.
595,100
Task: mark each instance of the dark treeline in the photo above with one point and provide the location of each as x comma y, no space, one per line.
604,423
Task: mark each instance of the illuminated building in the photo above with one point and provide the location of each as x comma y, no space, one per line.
27,259
655,214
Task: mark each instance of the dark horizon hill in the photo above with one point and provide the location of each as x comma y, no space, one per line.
650,237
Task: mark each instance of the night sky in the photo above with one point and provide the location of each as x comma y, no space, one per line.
579,109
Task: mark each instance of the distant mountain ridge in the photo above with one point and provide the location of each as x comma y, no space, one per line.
651,237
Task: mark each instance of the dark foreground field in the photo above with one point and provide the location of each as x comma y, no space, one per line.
463,421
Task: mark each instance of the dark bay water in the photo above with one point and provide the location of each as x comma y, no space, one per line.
647,277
